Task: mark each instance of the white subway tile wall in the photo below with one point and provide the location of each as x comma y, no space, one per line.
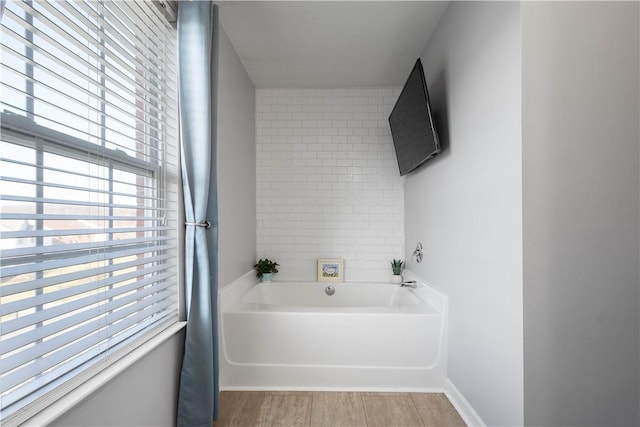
328,184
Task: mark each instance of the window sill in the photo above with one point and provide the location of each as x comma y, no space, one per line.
71,393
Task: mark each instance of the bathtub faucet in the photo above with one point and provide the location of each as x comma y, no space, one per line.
409,284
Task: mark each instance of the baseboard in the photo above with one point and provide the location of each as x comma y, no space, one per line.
466,411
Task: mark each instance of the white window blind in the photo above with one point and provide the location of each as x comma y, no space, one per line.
88,196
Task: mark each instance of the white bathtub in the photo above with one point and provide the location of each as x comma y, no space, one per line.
367,336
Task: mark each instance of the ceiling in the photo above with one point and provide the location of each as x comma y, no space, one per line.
315,44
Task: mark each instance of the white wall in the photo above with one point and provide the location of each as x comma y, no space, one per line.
581,113
236,165
328,182
465,206
145,394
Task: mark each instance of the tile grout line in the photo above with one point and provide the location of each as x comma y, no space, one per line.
257,415
415,407
313,399
258,421
364,411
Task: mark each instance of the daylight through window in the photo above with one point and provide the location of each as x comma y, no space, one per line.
88,187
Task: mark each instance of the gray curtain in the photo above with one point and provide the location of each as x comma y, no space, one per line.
197,62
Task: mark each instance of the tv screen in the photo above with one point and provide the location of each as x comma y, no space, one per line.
412,128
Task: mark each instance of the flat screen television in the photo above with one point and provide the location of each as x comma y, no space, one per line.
412,128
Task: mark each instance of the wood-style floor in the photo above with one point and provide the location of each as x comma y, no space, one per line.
324,409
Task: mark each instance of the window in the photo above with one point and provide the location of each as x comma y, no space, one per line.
88,187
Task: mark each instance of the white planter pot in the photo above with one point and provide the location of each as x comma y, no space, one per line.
396,279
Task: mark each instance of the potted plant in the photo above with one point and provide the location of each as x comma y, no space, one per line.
266,268
396,266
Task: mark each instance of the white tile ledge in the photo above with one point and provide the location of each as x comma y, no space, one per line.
55,404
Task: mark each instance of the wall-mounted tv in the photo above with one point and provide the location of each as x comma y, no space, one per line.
412,127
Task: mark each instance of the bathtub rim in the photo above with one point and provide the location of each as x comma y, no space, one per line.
233,292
